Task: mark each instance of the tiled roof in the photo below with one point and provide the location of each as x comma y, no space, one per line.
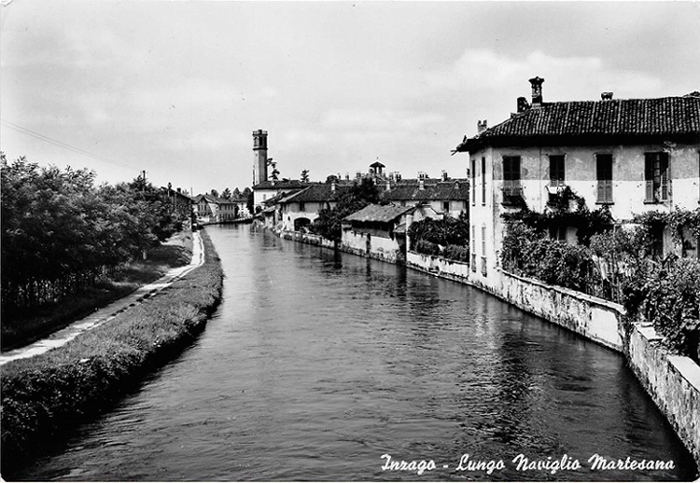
380,213
275,199
280,185
318,192
435,191
596,120
211,199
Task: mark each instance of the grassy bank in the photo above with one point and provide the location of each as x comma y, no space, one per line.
44,395
22,327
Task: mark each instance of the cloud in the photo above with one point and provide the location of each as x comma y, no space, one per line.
379,120
484,71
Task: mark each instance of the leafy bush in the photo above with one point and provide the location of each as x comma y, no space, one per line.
60,232
427,247
456,252
672,303
44,395
446,231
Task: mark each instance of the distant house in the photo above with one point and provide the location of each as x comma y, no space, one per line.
447,196
380,231
211,209
301,208
181,203
632,155
241,207
266,190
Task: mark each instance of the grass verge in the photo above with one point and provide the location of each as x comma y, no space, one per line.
45,395
22,327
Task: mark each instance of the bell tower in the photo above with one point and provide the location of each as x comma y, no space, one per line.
260,158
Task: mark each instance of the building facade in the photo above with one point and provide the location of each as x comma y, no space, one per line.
301,208
632,155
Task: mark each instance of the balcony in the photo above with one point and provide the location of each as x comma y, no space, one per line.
512,192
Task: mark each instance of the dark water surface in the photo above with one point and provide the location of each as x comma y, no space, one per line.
315,366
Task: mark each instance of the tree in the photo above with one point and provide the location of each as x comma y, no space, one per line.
236,193
274,174
331,178
214,193
249,199
328,223
304,176
226,194
59,231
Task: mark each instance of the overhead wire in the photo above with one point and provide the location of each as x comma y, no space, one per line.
63,145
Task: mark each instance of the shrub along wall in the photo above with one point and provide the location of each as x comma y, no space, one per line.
43,395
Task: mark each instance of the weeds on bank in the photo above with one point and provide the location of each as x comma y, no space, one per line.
21,327
43,395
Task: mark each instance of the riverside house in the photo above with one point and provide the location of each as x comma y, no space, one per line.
445,195
264,191
299,209
210,209
380,231
633,155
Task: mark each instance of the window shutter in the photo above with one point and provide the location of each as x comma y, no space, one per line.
649,196
663,166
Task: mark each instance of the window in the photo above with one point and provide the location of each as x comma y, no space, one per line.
483,181
473,251
557,232
656,177
604,163
556,170
483,250
302,206
473,186
445,206
511,179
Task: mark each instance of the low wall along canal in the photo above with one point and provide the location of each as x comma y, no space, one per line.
328,366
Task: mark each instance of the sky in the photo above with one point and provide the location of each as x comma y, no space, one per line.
176,88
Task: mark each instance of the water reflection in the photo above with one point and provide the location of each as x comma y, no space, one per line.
316,364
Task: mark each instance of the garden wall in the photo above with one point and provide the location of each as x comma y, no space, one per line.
442,267
594,318
673,382
308,238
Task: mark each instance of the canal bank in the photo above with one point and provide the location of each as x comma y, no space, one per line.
673,382
46,395
316,364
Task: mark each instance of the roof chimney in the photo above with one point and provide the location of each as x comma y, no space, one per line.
536,83
481,126
388,185
523,105
421,184
333,185
606,96
444,175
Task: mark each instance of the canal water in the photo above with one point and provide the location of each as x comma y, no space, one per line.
316,365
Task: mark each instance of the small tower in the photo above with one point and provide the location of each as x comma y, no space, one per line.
260,158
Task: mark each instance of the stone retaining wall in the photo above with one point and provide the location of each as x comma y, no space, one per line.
673,382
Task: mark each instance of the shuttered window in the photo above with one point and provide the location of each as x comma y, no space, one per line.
556,170
473,186
483,181
656,177
604,164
